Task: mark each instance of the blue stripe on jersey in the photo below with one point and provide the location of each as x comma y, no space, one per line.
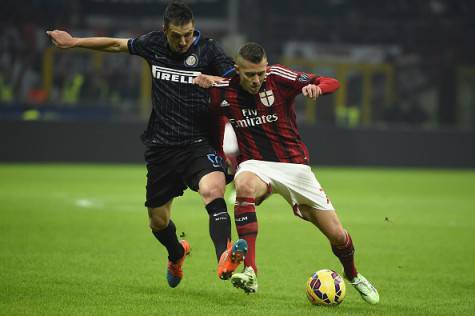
229,71
197,38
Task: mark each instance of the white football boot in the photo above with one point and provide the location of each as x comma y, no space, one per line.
246,280
367,291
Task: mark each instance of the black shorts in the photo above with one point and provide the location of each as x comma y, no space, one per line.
171,169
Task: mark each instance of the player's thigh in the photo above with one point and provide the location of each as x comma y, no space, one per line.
327,222
203,163
296,183
299,186
248,184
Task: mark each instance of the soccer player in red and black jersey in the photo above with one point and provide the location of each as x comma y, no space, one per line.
259,103
179,148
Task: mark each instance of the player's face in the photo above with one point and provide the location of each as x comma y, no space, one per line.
251,75
179,37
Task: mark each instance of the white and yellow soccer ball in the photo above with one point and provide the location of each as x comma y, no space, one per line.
325,287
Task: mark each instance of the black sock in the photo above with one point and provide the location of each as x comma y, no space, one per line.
167,237
219,225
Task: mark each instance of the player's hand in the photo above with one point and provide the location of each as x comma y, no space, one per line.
62,39
206,81
312,91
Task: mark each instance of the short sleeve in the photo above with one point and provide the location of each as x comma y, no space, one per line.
141,45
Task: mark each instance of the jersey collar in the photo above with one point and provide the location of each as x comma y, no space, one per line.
197,36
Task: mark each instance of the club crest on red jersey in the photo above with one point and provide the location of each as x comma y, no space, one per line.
267,97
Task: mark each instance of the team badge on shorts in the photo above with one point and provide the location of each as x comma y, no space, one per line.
191,60
267,97
215,160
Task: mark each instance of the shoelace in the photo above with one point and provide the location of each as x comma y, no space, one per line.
358,281
251,277
367,287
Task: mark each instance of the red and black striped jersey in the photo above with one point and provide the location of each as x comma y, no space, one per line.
265,123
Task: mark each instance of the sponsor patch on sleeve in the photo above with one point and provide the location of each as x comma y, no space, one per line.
303,78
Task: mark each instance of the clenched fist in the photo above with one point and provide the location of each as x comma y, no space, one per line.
62,39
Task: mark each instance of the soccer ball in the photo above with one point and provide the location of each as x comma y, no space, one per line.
325,287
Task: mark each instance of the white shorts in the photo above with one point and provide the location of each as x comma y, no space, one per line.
296,183
230,144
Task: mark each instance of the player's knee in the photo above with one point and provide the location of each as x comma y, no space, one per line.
158,221
245,187
212,186
211,192
337,236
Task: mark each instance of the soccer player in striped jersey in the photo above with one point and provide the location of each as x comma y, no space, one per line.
179,149
259,103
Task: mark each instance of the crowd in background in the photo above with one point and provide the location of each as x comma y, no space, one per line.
82,84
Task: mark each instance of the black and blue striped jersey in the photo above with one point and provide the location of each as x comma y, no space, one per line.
180,113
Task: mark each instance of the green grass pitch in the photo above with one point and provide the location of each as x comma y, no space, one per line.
74,241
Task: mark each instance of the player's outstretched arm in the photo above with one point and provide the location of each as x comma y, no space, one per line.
321,86
63,39
207,81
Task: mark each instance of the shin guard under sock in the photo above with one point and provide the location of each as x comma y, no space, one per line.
168,238
219,225
247,227
345,254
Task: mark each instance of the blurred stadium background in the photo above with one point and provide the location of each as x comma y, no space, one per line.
407,70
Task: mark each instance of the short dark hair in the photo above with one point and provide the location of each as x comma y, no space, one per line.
252,52
177,13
